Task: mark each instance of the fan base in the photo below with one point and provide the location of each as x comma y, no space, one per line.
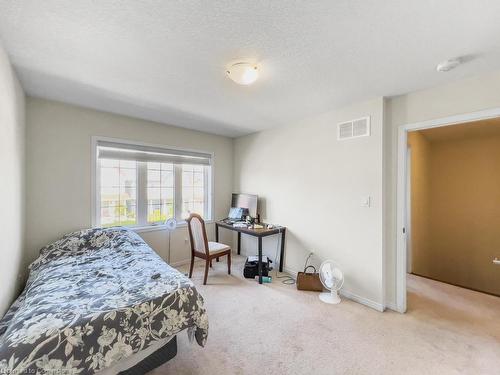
332,298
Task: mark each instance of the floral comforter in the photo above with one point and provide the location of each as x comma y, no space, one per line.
93,298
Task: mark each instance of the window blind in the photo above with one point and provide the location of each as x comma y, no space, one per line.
123,151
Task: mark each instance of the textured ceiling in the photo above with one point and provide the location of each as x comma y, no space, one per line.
165,60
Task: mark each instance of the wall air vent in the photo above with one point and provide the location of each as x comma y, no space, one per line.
354,128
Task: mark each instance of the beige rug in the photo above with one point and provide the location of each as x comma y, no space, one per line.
275,329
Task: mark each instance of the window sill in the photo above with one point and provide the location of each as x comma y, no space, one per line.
155,228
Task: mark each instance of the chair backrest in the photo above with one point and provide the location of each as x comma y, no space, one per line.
197,234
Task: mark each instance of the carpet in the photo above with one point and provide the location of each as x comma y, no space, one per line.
275,329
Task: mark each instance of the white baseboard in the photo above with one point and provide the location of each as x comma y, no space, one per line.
364,301
184,262
391,306
290,271
180,263
347,294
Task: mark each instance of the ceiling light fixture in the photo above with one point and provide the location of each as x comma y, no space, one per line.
448,65
243,73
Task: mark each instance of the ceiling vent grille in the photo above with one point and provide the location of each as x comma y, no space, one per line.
354,128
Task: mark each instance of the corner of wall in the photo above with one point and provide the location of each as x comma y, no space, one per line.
12,163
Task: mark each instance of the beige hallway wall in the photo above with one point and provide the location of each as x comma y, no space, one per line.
460,208
465,220
420,227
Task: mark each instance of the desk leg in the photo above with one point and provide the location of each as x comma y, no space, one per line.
282,253
239,243
260,260
216,237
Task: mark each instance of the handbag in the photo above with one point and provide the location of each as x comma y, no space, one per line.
309,280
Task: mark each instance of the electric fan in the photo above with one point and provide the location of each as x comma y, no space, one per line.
170,225
332,279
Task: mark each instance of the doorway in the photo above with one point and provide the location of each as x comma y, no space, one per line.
446,221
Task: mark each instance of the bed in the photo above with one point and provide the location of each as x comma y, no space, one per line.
99,301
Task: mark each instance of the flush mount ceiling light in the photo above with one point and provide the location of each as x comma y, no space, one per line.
448,65
243,73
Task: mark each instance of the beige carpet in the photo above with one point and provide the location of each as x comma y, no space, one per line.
275,329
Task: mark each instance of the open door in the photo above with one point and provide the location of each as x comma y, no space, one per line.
486,242
453,204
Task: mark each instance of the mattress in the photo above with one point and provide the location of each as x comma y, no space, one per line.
94,298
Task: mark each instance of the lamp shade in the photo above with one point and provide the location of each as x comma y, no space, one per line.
243,73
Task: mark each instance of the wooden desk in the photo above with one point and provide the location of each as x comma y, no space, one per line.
259,233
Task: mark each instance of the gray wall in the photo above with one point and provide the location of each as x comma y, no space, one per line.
59,169
12,165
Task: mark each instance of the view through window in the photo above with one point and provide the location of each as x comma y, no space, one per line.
193,189
160,194
118,192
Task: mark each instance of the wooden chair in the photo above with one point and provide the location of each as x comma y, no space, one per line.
202,248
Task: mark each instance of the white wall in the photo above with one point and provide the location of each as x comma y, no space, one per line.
59,170
464,96
12,166
266,163
313,184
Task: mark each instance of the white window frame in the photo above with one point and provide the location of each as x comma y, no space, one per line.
141,186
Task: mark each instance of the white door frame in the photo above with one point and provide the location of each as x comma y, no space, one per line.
401,188
408,211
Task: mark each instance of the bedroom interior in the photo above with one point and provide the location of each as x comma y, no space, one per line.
170,168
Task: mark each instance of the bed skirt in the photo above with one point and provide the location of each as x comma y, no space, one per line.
146,360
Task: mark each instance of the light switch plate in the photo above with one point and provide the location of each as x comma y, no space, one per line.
366,201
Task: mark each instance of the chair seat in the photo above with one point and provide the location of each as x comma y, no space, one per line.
216,247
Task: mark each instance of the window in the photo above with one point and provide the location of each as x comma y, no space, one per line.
193,189
160,192
139,185
118,192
